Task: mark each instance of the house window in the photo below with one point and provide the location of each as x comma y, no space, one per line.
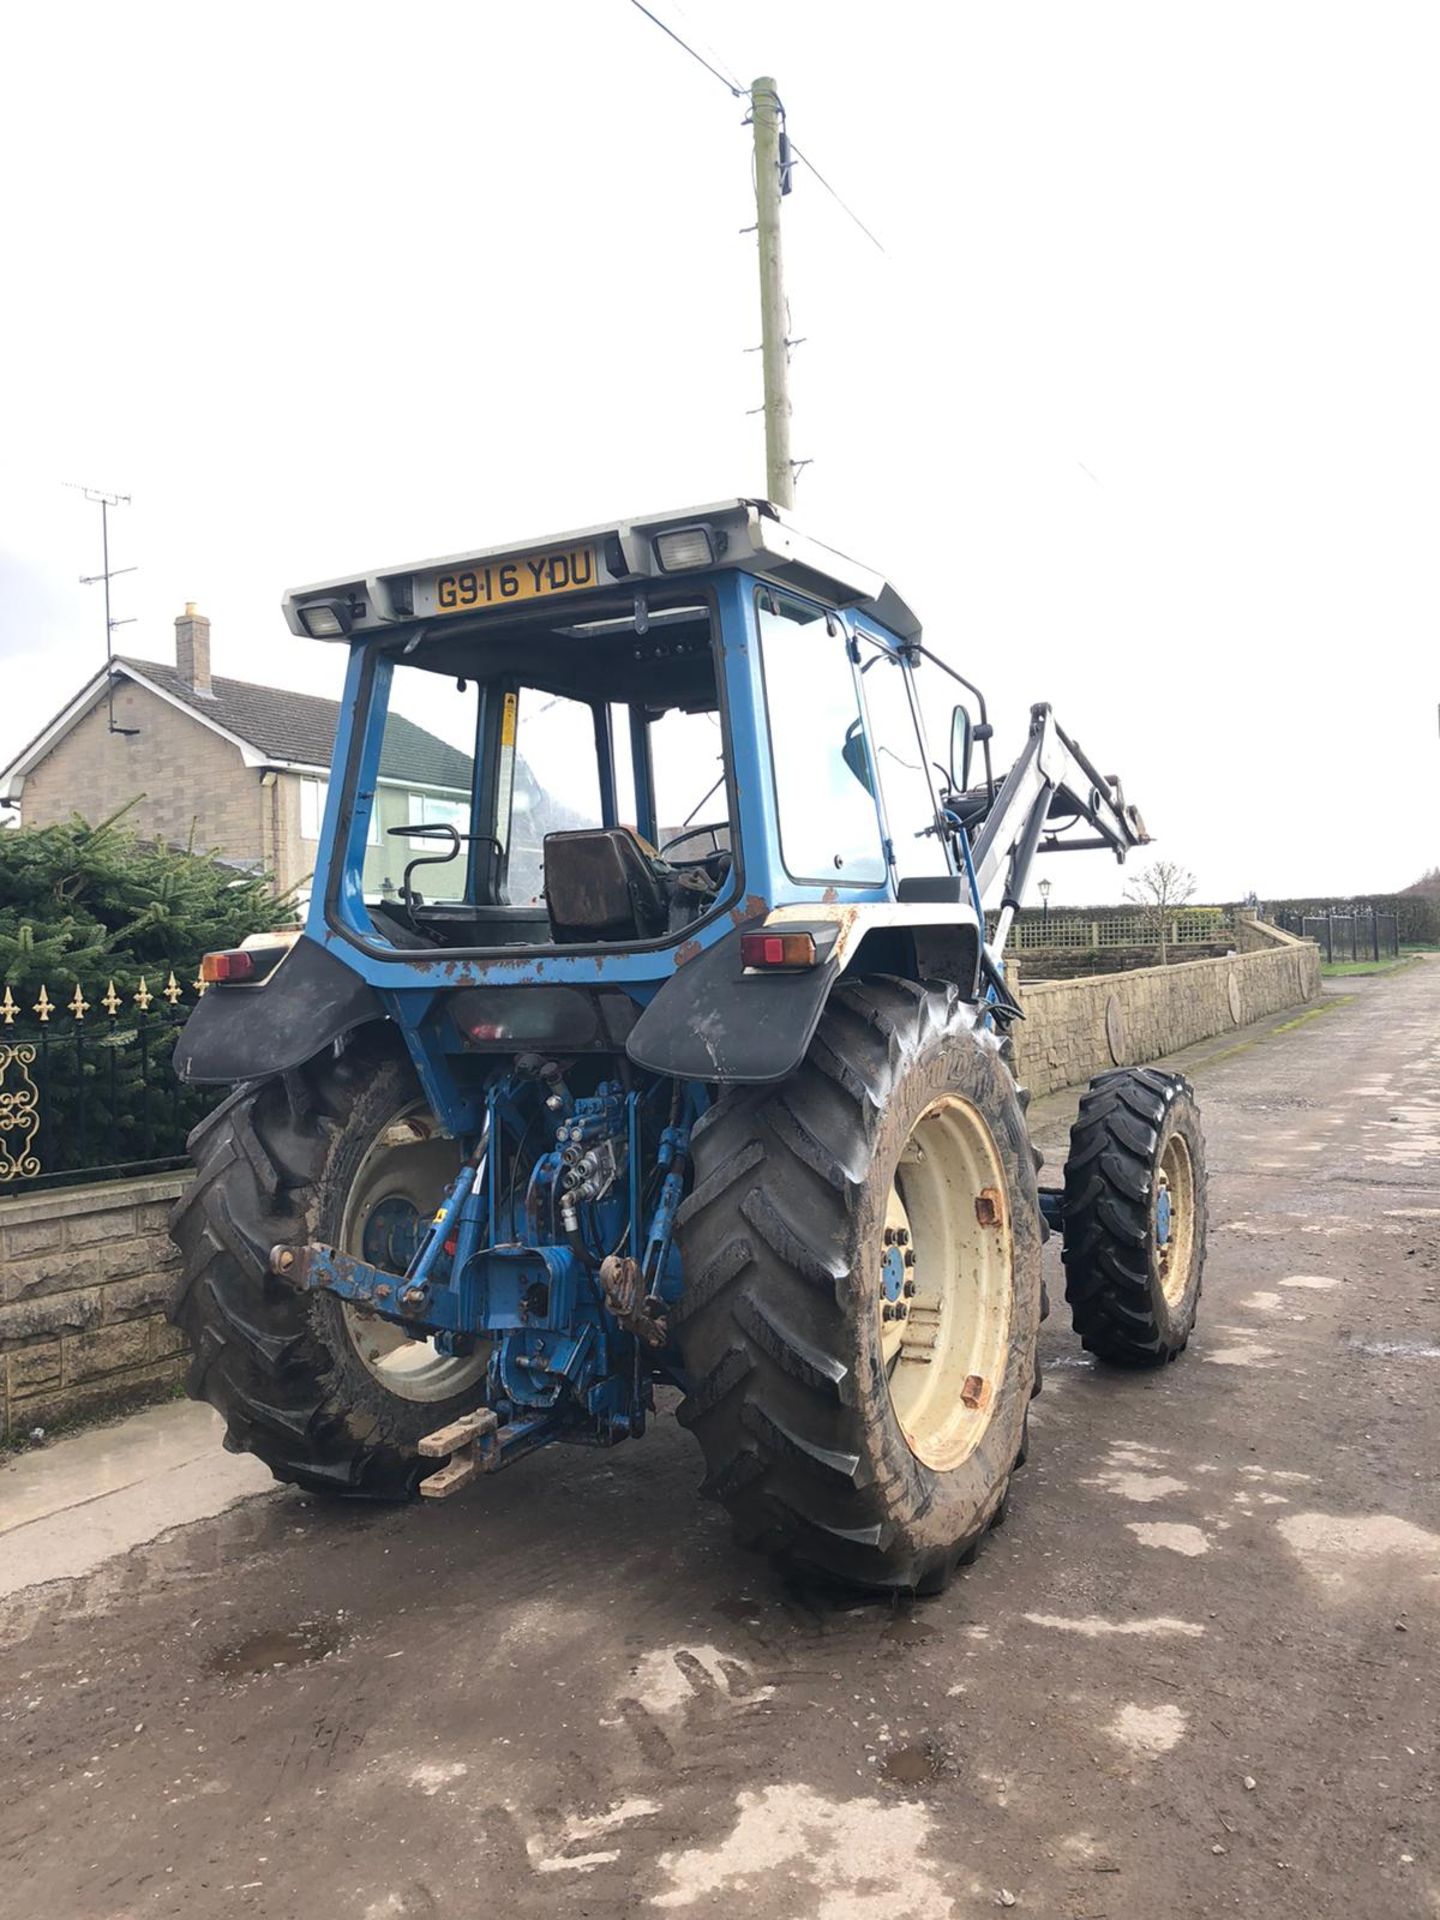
313,795
430,810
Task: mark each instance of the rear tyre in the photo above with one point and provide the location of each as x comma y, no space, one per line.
1135,1215
860,1413
343,1150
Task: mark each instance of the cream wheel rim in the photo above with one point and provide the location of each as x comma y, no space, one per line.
395,1192
1173,1218
945,1283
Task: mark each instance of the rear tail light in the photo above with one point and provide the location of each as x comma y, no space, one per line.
234,964
777,950
219,969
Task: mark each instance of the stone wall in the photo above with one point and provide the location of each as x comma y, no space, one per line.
1075,1028
84,1273
1071,963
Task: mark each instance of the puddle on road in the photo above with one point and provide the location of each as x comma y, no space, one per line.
914,1766
830,1609
277,1647
909,1628
739,1607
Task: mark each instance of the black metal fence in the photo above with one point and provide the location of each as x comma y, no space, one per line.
1360,935
87,1091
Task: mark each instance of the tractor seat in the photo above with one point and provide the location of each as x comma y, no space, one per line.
600,886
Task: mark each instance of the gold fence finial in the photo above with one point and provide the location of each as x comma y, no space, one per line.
143,996
44,1006
8,1008
79,1005
111,1000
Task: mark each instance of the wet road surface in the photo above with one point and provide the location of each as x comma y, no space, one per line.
1196,1672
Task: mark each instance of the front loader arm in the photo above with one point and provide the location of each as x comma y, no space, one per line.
1051,780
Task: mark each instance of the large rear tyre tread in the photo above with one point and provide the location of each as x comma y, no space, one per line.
796,1424
272,1162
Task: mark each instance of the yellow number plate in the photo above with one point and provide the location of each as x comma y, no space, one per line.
498,583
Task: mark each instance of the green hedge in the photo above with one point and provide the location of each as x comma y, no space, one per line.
95,903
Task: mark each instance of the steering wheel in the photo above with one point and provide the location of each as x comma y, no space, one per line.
713,827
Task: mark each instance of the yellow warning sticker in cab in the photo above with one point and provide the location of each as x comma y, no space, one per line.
507,720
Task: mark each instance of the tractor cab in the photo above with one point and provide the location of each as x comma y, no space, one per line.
621,741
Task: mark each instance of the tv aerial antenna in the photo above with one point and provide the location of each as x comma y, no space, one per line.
97,497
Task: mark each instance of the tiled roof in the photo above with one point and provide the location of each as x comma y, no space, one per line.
299,728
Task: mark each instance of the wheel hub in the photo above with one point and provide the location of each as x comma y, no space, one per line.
392,1233
892,1273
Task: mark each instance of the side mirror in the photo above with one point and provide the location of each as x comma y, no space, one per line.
962,743
856,758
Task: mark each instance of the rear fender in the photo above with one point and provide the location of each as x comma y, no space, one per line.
249,1032
713,1021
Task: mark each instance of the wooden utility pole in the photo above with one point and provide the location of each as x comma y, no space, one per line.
775,354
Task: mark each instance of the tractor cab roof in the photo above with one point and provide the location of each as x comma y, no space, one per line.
750,535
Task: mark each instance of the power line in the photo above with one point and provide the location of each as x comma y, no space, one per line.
738,92
805,160
707,47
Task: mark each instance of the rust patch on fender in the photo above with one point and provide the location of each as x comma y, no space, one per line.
752,907
686,952
988,1210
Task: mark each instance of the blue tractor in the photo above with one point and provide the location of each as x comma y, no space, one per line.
646,1027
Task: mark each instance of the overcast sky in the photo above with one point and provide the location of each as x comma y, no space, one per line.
1139,407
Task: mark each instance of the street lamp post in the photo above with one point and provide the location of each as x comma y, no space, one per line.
1045,886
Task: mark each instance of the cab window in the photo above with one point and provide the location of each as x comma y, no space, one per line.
900,759
829,828
549,783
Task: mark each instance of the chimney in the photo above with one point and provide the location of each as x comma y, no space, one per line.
192,649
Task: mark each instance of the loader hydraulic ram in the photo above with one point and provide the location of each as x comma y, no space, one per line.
649,1026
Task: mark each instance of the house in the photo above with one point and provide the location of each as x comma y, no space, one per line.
224,765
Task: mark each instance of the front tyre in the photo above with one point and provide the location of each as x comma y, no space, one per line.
861,1252
1135,1216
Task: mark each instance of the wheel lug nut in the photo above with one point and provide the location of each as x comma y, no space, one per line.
909,1289
902,1236
887,1312
889,1237
909,1256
